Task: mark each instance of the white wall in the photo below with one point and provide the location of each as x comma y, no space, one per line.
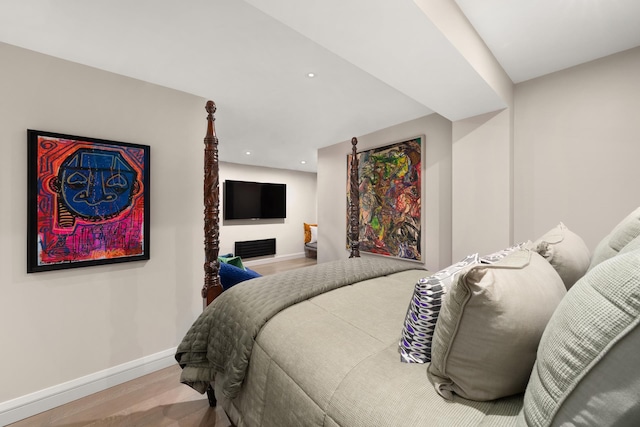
289,232
66,325
482,145
482,192
577,148
436,188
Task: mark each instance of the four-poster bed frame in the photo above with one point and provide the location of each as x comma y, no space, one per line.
212,286
316,345
320,345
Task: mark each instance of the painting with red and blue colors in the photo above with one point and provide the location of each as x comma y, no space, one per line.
390,199
88,201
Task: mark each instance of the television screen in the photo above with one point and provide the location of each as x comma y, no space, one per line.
249,200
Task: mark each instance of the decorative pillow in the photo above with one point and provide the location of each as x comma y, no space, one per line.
236,261
586,372
566,252
623,233
307,231
497,256
314,234
415,343
489,326
231,275
631,246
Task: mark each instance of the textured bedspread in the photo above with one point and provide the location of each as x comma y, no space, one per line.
222,338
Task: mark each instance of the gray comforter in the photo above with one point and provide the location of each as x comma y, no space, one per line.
222,338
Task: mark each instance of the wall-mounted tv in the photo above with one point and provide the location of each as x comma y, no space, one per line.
254,200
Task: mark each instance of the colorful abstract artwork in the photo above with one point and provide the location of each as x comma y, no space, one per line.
390,202
88,201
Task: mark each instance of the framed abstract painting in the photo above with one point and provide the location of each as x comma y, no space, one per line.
88,201
390,191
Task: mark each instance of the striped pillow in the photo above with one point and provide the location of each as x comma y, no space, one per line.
497,256
422,314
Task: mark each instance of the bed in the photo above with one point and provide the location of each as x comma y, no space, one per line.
322,345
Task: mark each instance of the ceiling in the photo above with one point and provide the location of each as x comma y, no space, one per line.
377,63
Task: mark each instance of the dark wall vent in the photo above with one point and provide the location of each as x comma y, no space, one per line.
255,248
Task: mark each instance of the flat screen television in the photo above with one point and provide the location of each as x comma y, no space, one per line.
254,200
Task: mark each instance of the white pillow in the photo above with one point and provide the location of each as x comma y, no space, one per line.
314,234
484,344
566,252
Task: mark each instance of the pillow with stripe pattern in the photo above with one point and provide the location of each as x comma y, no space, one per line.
497,256
422,314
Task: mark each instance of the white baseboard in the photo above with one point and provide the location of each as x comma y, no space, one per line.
48,398
267,260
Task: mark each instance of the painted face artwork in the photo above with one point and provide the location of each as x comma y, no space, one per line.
94,185
88,201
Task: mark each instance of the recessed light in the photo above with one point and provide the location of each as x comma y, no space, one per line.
311,75
248,153
304,162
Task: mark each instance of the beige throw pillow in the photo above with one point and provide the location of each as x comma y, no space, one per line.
566,252
489,326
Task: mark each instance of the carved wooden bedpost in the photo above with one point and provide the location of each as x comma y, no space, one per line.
212,286
354,204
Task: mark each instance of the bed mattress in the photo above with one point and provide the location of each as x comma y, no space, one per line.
333,360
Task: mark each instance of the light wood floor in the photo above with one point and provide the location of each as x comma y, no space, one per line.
277,267
157,399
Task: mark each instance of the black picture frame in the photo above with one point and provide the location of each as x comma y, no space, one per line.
88,201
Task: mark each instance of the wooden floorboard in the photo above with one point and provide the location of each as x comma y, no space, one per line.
156,399
278,267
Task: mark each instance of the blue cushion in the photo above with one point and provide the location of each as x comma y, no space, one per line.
231,275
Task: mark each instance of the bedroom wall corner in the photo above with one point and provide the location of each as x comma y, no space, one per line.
482,189
576,148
